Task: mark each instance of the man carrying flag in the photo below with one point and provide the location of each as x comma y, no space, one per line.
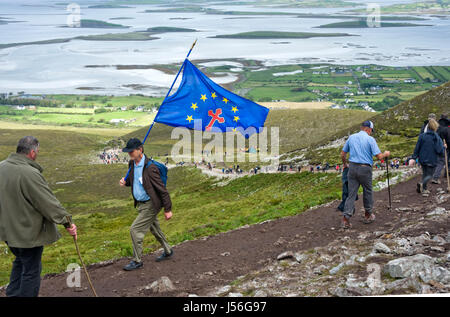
150,195
197,98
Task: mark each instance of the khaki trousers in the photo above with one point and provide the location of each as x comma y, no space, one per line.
146,220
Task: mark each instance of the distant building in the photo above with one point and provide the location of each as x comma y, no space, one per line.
117,121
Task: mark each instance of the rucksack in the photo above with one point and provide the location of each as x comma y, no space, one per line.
162,170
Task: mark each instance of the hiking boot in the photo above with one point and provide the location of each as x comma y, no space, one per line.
369,218
419,187
133,265
436,181
164,256
425,193
345,224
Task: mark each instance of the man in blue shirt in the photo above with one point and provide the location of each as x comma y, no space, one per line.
362,147
150,196
138,187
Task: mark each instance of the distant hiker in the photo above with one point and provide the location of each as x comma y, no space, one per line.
150,195
444,133
362,148
28,213
429,146
425,123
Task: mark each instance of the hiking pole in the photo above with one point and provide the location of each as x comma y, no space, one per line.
389,187
84,266
446,167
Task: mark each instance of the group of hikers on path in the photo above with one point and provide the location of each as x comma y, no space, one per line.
29,211
431,152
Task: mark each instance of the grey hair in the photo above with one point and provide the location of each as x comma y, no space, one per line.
27,144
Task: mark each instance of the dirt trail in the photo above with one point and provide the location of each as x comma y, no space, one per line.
201,265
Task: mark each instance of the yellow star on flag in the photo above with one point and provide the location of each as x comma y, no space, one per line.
203,97
234,129
234,109
194,106
189,118
225,100
236,119
213,95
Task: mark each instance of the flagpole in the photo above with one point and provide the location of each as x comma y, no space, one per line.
167,95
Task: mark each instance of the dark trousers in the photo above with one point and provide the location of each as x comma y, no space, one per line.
25,279
344,189
427,174
359,175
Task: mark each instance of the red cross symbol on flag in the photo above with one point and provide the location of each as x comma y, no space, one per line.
214,117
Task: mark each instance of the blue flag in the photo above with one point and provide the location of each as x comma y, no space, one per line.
198,97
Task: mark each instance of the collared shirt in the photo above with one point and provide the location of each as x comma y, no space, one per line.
362,148
139,192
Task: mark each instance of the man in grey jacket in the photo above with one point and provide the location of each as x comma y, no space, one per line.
28,213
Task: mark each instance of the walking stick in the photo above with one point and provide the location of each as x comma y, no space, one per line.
84,266
446,168
389,187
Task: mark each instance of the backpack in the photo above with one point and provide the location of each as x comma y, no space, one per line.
162,170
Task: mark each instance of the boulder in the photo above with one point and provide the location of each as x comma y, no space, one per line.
419,265
381,248
438,211
409,266
260,293
162,285
300,257
336,269
224,290
285,255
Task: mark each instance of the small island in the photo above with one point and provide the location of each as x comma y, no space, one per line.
363,23
168,29
278,35
108,6
96,24
342,16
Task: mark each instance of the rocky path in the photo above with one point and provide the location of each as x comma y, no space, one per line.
320,258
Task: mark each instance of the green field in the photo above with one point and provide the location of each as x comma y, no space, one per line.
77,117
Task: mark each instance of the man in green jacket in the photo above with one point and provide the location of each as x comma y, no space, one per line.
28,213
